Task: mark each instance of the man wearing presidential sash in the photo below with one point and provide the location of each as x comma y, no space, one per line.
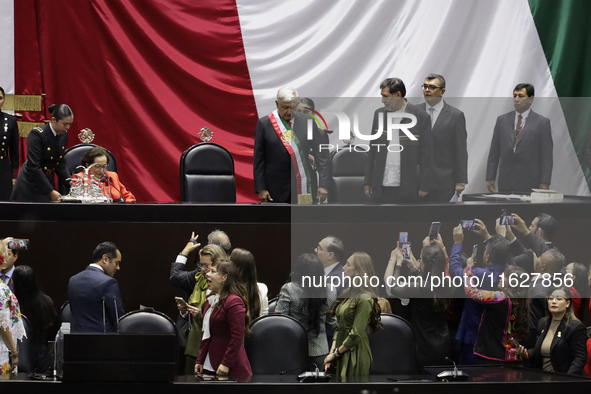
282,172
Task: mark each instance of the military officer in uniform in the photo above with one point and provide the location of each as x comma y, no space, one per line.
46,147
8,151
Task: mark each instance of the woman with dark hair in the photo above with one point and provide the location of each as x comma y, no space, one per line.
8,151
428,308
46,147
225,322
356,311
38,307
307,299
11,325
256,293
561,343
504,321
108,180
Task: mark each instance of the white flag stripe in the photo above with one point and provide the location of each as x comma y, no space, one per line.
346,48
7,45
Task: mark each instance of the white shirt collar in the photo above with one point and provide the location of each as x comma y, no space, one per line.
52,130
96,266
438,107
524,115
9,273
403,109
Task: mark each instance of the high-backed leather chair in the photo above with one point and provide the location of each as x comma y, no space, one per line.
207,174
66,313
393,348
348,173
146,322
25,357
73,156
277,343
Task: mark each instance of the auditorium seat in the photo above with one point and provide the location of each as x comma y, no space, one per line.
348,173
25,358
73,156
277,343
207,174
273,304
146,322
66,313
393,348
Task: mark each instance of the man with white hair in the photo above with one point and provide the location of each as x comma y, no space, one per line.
282,172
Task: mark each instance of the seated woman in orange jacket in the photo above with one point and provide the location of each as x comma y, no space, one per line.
99,157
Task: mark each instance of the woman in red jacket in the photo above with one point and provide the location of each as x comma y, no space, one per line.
225,322
99,157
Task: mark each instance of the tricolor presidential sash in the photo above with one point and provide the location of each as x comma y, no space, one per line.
291,142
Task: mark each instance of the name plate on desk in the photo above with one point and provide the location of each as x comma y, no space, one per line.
119,357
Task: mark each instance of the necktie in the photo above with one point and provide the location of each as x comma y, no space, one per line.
4,278
431,111
519,128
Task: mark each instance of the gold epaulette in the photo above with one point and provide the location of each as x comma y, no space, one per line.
24,128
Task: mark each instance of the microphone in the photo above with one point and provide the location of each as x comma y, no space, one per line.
453,376
295,369
454,363
116,312
120,199
314,377
104,318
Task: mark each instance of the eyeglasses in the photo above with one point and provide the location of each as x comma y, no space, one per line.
204,265
305,110
100,167
557,299
430,87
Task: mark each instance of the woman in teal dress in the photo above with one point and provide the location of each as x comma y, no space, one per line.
356,309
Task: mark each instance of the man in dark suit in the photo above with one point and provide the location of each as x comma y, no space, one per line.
94,294
540,232
522,142
331,253
391,175
448,130
9,260
281,169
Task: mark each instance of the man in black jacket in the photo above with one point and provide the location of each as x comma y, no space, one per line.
393,175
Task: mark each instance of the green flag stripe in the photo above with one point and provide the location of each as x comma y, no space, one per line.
563,28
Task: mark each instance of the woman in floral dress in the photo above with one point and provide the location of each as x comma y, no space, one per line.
11,325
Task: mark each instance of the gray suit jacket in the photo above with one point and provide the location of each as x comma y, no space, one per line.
531,162
293,302
450,152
